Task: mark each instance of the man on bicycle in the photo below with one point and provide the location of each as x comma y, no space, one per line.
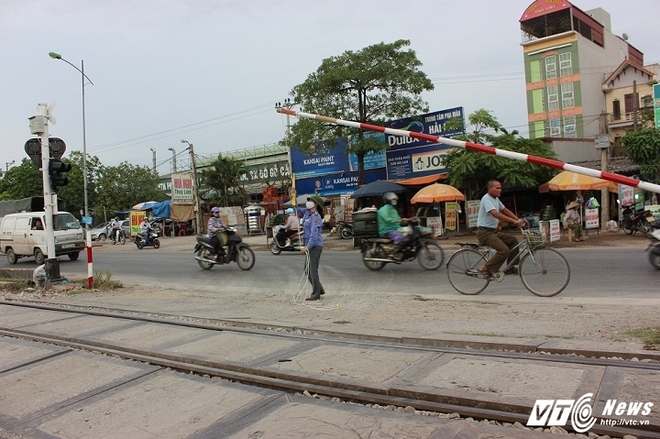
491,212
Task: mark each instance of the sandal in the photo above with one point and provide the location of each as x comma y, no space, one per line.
576,240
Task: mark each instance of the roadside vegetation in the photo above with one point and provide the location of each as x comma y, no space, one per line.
649,335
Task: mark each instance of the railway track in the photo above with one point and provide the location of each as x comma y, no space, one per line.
498,384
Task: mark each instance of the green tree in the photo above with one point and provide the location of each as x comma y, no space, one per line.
22,181
643,148
472,169
222,180
123,186
378,83
74,192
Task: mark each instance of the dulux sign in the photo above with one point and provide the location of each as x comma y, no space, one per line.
430,123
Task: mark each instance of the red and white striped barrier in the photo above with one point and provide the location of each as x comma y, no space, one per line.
90,259
609,176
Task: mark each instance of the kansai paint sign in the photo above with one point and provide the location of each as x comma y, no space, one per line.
324,162
337,184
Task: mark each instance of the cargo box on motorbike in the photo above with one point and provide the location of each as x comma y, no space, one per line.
365,223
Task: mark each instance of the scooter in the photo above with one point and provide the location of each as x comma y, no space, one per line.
654,246
153,240
279,244
345,229
421,245
636,222
235,251
117,236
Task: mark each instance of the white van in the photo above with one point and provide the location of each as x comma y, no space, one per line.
23,235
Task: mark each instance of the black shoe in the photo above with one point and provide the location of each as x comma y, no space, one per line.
310,298
511,271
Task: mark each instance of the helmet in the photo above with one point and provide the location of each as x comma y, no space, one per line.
215,210
388,197
116,218
289,211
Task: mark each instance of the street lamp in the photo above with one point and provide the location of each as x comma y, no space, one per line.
88,237
173,159
198,213
153,151
8,164
55,55
292,178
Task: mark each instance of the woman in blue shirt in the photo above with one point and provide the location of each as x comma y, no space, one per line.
312,223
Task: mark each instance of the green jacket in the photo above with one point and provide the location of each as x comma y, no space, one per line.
388,220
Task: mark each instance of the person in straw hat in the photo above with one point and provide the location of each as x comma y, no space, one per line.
573,220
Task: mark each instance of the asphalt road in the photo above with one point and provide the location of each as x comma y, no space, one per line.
615,273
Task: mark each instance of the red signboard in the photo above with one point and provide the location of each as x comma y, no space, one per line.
542,7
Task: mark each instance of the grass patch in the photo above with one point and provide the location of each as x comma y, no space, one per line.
103,281
14,285
649,335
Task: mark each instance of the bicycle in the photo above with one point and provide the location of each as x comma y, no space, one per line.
543,271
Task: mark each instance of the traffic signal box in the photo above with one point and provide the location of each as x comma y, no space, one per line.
56,169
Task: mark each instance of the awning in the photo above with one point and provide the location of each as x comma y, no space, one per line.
419,181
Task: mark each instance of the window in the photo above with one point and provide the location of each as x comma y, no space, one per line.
565,66
616,110
647,101
535,71
553,98
567,99
555,130
569,127
550,67
537,101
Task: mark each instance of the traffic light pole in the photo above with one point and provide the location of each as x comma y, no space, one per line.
52,263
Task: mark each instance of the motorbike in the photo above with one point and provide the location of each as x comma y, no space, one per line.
345,229
279,244
421,245
235,251
654,246
153,240
117,236
636,222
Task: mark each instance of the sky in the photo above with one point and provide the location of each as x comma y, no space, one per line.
211,71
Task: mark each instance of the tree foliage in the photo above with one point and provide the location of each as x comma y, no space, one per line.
223,182
643,148
120,187
471,170
22,181
378,83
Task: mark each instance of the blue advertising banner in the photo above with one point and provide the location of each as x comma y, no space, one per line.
340,184
416,162
430,123
317,165
372,160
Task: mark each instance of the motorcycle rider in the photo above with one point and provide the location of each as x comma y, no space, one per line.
389,223
115,226
216,232
145,227
291,226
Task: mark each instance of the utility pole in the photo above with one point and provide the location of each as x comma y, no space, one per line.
602,142
289,105
198,212
173,160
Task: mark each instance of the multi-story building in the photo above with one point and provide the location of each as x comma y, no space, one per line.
568,55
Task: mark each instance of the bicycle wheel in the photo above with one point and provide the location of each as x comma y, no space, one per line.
430,256
457,271
545,272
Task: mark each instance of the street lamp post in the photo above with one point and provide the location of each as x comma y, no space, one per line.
88,240
173,159
289,105
198,213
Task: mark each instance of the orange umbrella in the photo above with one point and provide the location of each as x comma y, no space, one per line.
437,193
571,181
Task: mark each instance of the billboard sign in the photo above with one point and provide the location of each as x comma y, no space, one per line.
337,184
430,123
322,163
182,188
656,104
416,162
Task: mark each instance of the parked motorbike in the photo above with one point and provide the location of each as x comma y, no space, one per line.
235,251
636,222
376,252
153,240
654,246
345,230
279,244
